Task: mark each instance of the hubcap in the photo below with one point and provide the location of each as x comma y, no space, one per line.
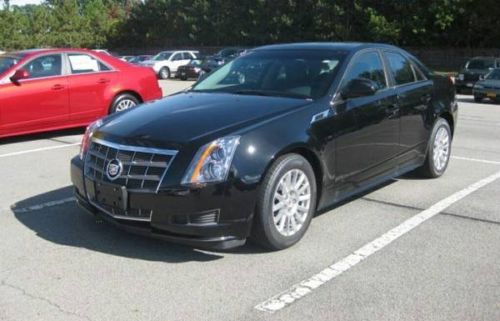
164,73
125,104
291,202
441,150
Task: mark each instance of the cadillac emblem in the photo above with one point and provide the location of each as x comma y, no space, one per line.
114,169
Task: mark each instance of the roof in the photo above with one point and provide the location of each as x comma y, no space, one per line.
30,52
347,46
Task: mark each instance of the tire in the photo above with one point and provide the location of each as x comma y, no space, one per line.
123,102
478,99
183,78
269,230
164,73
439,150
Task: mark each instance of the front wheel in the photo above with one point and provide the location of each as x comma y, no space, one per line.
438,154
286,203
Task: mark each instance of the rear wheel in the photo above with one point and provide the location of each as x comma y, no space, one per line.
164,73
286,203
478,99
123,102
439,151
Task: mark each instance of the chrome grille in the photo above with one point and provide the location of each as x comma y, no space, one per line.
143,168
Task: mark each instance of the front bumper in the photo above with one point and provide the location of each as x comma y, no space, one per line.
209,217
492,93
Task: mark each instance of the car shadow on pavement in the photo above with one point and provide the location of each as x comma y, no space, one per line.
53,135
65,223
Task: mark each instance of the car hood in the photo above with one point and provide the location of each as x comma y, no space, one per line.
491,83
190,117
475,71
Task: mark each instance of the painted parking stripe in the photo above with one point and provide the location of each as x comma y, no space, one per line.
37,150
305,287
485,161
38,207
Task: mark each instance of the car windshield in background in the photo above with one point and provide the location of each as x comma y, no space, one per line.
495,75
287,73
8,61
162,56
195,62
481,64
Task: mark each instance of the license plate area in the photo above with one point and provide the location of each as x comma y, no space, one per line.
491,95
107,194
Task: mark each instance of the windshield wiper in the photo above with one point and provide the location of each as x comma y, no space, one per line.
258,92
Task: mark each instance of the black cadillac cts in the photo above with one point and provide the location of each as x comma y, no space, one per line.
260,145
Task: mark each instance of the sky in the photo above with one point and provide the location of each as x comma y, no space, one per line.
23,2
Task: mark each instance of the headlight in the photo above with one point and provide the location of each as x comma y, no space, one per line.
87,136
212,161
460,76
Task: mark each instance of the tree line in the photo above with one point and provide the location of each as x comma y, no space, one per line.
175,23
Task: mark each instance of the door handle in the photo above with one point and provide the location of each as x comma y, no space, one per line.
103,81
57,87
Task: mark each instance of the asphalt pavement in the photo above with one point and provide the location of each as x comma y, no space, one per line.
59,263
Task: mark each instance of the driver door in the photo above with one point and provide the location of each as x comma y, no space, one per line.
37,102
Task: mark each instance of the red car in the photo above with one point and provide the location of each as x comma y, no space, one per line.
49,89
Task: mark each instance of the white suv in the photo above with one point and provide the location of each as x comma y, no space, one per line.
165,63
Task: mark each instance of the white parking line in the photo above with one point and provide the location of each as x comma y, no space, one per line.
476,160
37,150
307,286
38,207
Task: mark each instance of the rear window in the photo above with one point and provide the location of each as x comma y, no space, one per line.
82,63
7,61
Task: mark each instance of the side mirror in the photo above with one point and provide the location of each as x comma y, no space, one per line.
359,87
19,75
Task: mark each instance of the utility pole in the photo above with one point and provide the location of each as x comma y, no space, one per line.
6,4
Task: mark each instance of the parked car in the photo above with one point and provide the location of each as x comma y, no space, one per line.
48,89
220,58
191,70
262,143
126,58
473,70
165,63
488,87
136,60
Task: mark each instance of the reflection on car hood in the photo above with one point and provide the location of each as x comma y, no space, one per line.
491,83
187,117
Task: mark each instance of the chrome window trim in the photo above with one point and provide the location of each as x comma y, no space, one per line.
130,148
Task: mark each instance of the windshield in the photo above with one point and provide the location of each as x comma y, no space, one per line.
8,61
480,64
162,56
287,73
495,74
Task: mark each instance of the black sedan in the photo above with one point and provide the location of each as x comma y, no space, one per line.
259,146
488,87
191,70
474,70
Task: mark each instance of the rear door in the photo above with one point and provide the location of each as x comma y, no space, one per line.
414,93
89,81
37,102
368,126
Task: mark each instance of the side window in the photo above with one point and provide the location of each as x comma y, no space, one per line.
369,66
177,56
46,66
401,68
82,63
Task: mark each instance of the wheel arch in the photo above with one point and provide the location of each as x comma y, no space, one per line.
449,118
310,156
122,92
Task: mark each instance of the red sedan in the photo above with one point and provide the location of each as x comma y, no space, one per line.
49,89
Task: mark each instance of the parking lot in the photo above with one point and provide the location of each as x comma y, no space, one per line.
59,263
